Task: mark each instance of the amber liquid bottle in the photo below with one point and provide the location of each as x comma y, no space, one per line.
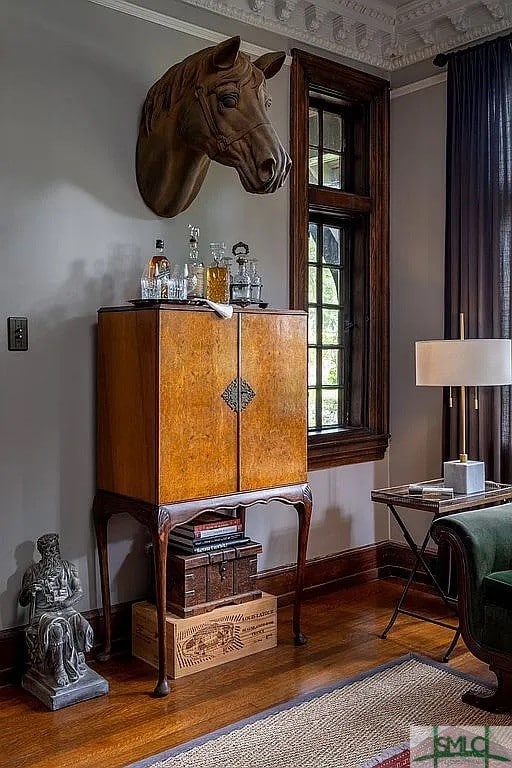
217,275
161,268
156,274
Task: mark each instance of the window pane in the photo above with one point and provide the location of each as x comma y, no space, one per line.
329,407
312,367
312,285
332,132
331,170
312,243
330,286
330,326
313,127
330,367
313,166
331,244
312,409
312,332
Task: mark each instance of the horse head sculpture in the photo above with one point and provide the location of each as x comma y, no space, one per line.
211,106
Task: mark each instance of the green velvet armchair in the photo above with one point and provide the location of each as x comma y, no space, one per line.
481,543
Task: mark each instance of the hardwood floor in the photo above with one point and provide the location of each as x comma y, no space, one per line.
343,639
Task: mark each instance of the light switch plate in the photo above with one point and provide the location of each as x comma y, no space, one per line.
17,334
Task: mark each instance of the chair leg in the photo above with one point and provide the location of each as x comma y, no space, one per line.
498,701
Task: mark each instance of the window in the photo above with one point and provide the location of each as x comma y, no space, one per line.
339,255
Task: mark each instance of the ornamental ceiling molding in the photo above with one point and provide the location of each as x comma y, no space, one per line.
372,32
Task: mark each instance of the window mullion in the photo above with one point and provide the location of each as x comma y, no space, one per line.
319,325
320,147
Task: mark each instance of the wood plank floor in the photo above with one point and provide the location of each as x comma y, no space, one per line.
343,639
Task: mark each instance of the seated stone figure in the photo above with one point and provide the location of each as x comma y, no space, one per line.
57,636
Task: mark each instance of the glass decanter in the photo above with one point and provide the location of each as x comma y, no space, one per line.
241,285
217,275
195,268
256,282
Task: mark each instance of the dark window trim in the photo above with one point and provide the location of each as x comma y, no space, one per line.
368,443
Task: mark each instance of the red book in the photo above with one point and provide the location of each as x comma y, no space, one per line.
209,521
210,533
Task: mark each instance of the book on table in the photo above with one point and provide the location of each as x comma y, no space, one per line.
208,545
209,524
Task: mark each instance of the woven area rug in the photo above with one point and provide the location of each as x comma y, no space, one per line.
363,721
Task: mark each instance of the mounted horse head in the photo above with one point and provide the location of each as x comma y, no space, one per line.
211,106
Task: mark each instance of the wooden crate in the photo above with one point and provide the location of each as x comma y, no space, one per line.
201,642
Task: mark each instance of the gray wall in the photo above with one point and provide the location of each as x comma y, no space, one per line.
418,130
74,236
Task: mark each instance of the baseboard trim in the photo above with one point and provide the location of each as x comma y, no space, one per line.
322,574
326,573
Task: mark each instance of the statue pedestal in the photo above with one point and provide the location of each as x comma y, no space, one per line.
89,686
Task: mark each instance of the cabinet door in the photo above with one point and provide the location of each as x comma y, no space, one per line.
126,403
273,427
198,430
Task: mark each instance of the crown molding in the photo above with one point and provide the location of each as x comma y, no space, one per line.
419,85
371,32
171,22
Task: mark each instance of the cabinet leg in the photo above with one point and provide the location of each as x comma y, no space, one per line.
303,508
101,518
160,541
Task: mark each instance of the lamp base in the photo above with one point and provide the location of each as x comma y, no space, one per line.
465,476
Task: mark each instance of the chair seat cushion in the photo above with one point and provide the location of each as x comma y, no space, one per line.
498,588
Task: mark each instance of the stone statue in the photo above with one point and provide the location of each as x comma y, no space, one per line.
57,636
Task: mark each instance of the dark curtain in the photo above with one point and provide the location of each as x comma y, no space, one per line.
479,234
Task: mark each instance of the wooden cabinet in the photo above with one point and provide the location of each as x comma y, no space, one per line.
168,382
195,413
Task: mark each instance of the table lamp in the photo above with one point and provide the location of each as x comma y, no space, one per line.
464,363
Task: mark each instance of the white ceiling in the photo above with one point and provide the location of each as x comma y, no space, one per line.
387,35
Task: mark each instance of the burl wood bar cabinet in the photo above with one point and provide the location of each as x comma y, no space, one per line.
196,413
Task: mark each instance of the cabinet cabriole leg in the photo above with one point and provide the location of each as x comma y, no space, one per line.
101,518
160,541
303,508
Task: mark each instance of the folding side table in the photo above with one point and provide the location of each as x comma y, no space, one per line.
438,505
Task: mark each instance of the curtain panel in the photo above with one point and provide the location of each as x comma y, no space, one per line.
479,234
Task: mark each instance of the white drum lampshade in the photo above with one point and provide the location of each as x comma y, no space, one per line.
464,363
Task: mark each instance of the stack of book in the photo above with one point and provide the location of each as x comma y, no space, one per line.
207,533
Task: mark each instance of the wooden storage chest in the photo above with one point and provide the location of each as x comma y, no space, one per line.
199,583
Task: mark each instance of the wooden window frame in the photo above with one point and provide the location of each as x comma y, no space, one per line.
308,72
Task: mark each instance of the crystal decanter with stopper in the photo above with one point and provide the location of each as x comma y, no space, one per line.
241,285
195,267
256,282
217,275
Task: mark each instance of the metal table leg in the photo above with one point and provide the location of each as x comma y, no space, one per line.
419,553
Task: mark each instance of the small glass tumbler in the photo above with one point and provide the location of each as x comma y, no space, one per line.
177,284
150,287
